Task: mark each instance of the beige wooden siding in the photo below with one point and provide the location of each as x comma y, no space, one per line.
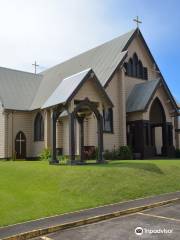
21,121
113,140
59,134
137,47
90,126
65,139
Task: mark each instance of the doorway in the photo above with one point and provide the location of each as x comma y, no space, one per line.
158,140
157,121
20,145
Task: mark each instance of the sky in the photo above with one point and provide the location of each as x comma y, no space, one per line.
51,31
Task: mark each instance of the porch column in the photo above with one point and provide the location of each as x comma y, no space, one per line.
122,108
47,129
53,138
176,126
100,139
71,138
81,138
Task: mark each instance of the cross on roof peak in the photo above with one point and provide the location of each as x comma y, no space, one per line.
35,66
137,20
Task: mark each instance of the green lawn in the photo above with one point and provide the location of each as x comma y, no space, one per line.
30,190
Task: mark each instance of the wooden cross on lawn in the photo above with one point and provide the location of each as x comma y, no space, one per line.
35,66
20,140
137,21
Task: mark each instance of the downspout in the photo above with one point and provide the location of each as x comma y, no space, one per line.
12,135
7,152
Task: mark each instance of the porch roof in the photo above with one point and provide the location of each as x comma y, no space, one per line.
141,95
69,86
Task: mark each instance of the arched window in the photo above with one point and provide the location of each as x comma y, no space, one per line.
140,69
130,67
108,120
135,65
38,128
135,68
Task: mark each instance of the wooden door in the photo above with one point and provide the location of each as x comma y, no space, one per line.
20,145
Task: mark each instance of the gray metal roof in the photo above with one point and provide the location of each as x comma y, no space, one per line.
69,86
103,60
17,88
26,91
65,89
140,96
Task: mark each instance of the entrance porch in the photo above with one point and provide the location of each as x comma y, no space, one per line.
78,107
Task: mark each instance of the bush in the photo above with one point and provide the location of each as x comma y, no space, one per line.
125,153
111,155
108,155
63,159
46,154
177,153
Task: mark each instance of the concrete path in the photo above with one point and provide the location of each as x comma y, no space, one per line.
162,224
7,232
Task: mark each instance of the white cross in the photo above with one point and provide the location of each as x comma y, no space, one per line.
20,140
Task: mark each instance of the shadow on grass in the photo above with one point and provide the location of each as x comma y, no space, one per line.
151,167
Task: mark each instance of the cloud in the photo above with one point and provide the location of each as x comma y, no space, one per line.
51,31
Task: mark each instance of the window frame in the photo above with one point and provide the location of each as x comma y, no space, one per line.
135,68
39,128
110,112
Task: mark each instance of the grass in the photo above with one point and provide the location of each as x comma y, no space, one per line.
30,190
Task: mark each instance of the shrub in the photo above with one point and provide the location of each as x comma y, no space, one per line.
125,153
122,153
177,153
111,155
107,155
45,154
63,159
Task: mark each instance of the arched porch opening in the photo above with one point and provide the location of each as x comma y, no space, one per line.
80,111
160,129
157,121
83,109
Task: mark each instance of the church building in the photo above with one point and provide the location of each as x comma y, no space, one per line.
110,96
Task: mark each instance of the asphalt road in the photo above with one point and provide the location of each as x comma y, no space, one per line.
158,223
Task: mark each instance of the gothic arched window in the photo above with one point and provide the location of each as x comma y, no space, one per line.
38,128
108,120
135,65
135,68
130,67
140,69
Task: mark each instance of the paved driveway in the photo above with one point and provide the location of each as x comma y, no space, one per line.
159,223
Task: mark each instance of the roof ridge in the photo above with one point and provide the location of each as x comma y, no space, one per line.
20,71
89,50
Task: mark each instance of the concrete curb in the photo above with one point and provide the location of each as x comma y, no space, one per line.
44,231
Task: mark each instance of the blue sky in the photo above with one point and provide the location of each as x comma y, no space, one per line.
51,31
